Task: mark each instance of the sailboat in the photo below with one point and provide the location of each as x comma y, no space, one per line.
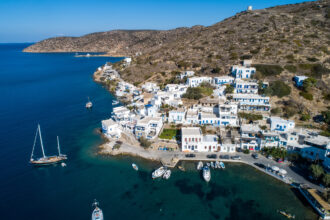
46,160
89,104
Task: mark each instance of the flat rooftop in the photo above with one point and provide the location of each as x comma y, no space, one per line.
191,131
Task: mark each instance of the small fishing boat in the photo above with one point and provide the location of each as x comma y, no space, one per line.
89,104
288,215
181,168
63,164
46,160
217,165
135,167
115,102
222,165
212,165
208,164
97,212
167,174
159,172
199,165
206,173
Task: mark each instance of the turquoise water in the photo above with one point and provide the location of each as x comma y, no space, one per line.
51,89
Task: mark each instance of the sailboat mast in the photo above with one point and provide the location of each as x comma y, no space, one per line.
58,147
34,143
41,143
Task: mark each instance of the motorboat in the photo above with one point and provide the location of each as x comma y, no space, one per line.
222,165
97,212
167,174
89,104
199,165
206,173
115,102
208,164
159,172
181,168
217,165
288,215
45,160
212,165
135,167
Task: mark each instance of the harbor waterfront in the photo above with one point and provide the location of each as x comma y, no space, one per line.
52,89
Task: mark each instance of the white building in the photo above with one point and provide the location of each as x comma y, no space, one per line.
192,116
121,113
316,148
191,138
111,129
128,60
223,80
177,116
228,114
150,87
280,124
151,110
177,90
242,72
249,137
186,74
149,127
196,81
252,102
242,86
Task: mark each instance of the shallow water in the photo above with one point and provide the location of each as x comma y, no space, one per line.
51,89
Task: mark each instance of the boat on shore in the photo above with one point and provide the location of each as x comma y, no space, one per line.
97,212
135,167
206,173
46,160
222,165
199,165
159,172
89,104
167,174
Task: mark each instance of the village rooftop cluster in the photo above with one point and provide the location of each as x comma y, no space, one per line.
143,115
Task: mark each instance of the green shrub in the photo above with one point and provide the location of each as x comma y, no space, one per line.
229,89
291,68
116,146
277,88
193,93
312,59
275,111
305,117
316,171
246,151
308,83
250,116
269,70
144,142
306,95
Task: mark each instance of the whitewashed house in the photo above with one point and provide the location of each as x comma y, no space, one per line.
269,139
316,148
192,140
228,114
151,110
196,81
280,124
186,74
121,113
111,129
242,72
127,61
222,80
149,127
242,86
252,102
192,116
177,116
206,118
150,87
249,137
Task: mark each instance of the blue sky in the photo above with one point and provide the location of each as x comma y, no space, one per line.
34,20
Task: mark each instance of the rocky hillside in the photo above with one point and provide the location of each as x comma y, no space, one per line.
294,37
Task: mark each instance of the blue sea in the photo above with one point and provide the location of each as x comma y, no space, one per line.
52,89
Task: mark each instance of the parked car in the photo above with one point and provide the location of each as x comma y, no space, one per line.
224,157
214,156
260,165
270,157
235,157
255,156
190,155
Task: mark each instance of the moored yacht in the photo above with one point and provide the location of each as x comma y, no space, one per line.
222,165
206,173
159,172
46,160
97,212
89,104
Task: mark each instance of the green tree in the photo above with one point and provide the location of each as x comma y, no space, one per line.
308,83
316,170
229,89
193,93
326,180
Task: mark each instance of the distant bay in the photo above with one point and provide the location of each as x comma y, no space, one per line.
51,89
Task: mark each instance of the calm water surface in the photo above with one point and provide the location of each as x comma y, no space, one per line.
52,89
